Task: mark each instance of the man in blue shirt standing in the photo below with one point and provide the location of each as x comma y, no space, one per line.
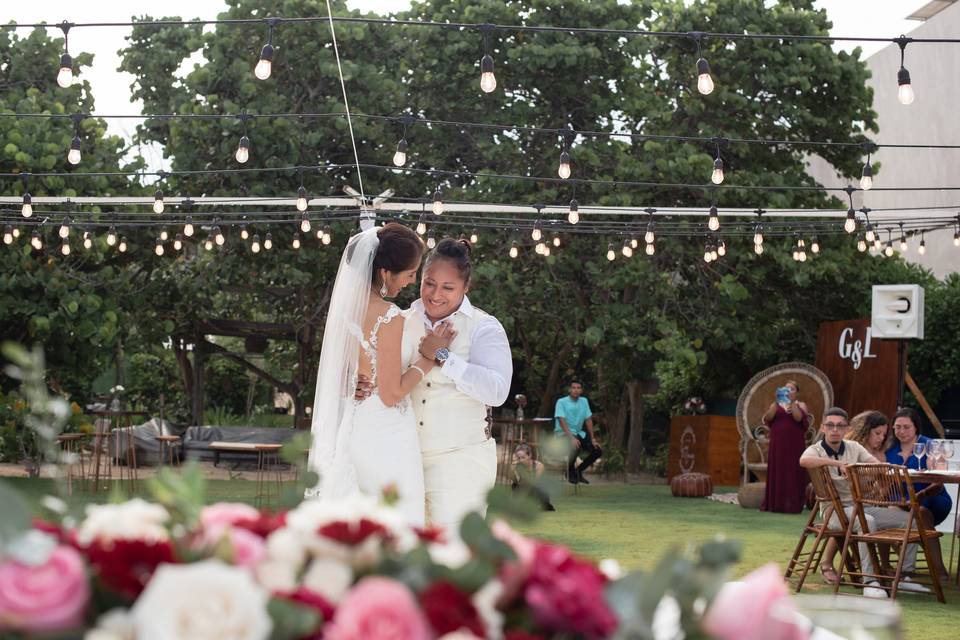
573,419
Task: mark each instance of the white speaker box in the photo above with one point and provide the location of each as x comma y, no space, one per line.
897,311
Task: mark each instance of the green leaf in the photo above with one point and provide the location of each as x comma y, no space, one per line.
292,620
16,513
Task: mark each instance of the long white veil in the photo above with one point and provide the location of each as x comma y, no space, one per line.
337,377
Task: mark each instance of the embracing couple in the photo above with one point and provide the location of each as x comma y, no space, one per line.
402,396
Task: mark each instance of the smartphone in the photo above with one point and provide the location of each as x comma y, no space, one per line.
783,395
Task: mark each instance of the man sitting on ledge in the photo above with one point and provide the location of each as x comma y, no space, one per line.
835,452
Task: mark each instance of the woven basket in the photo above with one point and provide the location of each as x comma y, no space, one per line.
751,495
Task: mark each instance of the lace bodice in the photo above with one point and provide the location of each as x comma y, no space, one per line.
369,344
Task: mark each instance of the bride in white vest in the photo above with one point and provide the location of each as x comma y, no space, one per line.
450,403
368,445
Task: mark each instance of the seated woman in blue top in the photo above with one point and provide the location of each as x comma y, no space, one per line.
935,502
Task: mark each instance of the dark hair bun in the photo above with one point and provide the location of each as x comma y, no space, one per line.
457,252
399,249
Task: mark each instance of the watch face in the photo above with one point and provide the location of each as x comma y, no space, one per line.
442,354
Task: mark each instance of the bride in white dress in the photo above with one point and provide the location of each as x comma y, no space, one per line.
366,446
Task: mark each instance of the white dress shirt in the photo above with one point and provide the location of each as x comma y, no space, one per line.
486,375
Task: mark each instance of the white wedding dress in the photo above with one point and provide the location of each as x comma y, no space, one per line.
360,446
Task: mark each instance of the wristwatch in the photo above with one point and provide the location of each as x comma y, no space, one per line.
440,355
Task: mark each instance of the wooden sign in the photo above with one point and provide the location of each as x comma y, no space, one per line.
862,369
707,444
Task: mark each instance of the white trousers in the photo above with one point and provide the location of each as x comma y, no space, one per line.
457,481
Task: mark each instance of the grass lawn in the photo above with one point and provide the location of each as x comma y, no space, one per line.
637,524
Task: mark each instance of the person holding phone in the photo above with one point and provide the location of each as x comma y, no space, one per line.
788,419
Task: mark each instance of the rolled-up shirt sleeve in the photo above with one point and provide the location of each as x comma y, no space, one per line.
487,374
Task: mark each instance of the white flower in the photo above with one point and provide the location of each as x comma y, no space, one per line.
485,602
286,546
33,548
206,600
136,519
452,554
276,576
329,578
611,569
115,624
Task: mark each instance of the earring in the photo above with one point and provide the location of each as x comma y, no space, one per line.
383,290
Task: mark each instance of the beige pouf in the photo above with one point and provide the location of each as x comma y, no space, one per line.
751,494
691,485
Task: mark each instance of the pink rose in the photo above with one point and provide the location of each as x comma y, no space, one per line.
741,611
216,517
513,575
378,609
565,594
47,598
248,548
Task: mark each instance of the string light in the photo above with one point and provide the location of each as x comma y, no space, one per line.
36,241
850,224
707,253
573,217
871,236
437,202
650,249
803,249
400,156
889,249
188,227
158,201
243,150
122,247
722,248
650,236
540,248
302,199
903,240
627,250
265,63
717,176
564,169
956,238
814,245
87,240
327,236
158,248
861,244
474,237
8,235
556,240
164,236
27,209
304,223
244,234
904,89
546,251
704,79
611,254
64,231
65,248
111,236
922,249
488,82
268,241
296,240
514,251
758,234
65,74
208,243
714,221
758,249
431,240
218,236
421,226
74,155
634,243
866,176
255,244
178,242
537,232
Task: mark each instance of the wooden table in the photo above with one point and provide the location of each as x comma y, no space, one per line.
944,477
119,423
512,433
268,462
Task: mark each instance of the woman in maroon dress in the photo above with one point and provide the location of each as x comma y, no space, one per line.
786,479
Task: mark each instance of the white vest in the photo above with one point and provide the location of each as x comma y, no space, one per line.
446,417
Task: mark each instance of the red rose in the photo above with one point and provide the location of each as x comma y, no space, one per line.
314,601
263,526
352,533
431,535
449,609
125,566
565,594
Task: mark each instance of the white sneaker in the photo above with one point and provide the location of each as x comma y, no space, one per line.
909,585
874,590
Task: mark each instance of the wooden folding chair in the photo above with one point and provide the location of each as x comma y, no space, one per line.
827,521
889,486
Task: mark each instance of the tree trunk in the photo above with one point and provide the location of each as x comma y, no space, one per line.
548,398
616,431
186,370
636,392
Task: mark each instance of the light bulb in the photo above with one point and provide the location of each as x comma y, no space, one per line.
564,169
27,209
243,150
327,236
627,250
268,242
903,245
861,245
296,241
158,201
714,222
704,79
796,254
421,227
431,241
815,246
574,216
122,247
87,240
650,249
265,64
758,235
905,90
16,232
634,243
302,199
888,251
540,248
255,244
64,231
803,256
877,244
7,235
536,234
304,224
922,249
514,251
474,237
244,234
111,236
611,254
850,224
717,176
437,202
218,236
956,238
649,237
164,236
65,248
178,242
158,249
546,251
488,82
36,241
871,236
73,156
866,178
188,227
400,157
722,249
707,256
208,244
65,74
556,241
758,249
